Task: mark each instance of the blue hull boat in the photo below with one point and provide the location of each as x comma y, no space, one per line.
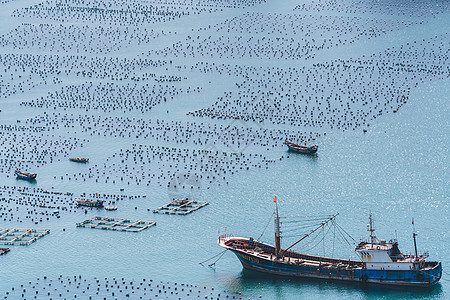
25,175
302,149
89,203
380,262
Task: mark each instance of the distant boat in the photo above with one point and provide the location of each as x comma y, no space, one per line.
25,175
89,203
302,149
110,208
79,159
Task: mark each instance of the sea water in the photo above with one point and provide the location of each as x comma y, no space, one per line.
397,170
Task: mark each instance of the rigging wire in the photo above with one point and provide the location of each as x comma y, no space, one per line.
314,240
354,241
303,221
323,240
317,235
334,239
303,224
341,231
267,225
296,228
324,217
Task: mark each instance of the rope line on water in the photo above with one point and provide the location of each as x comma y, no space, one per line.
221,254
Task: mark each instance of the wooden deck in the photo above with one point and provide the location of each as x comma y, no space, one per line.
180,207
15,236
116,224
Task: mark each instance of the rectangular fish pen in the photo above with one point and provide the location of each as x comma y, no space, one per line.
116,224
15,236
180,207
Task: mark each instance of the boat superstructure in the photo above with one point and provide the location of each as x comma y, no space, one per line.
380,261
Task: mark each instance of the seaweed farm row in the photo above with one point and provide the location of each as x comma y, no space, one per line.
178,104
78,287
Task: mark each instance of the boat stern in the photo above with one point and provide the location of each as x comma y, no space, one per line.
427,275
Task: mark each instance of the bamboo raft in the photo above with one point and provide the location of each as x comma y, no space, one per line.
21,237
117,224
4,250
180,207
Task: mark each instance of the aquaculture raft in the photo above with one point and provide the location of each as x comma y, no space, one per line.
180,207
116,224
21,237
4,250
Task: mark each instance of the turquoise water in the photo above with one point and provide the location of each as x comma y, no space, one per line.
397,170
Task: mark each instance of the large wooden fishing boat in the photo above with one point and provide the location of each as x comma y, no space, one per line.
380,262
302,149
25,175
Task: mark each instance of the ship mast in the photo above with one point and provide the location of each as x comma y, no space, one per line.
277,229
414,237
371,229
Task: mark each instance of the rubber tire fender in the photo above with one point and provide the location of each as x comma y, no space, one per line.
420,277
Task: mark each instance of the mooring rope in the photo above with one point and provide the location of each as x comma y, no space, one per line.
221,254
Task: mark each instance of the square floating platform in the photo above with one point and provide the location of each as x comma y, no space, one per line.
180,207
15,236
116,224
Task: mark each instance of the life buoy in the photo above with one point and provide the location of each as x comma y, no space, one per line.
420,277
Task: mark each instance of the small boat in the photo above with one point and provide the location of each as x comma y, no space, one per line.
79,159
302,149
380,262
110,207
89,203
25,175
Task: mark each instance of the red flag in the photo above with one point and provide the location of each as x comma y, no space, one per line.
275,199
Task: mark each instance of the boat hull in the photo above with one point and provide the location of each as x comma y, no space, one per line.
25,176
79,160
418,278
301,149
89,203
